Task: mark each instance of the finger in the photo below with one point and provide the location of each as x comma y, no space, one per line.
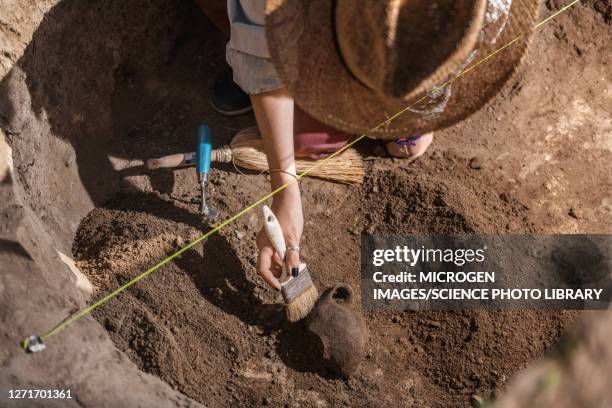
264,265
292,260
277,262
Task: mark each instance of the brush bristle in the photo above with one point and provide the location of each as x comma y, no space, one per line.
301,305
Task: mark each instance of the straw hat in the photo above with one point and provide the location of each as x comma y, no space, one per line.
352,64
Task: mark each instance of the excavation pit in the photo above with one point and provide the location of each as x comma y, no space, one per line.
84,105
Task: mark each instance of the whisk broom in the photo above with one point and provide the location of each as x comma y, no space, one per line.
246,151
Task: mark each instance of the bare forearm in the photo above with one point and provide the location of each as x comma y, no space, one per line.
274,113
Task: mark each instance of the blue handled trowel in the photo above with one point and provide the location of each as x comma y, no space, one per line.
203,157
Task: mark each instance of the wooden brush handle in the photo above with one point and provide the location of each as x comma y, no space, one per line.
275,235
170,161
274,232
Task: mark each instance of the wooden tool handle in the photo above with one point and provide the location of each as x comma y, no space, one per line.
172,160
274,232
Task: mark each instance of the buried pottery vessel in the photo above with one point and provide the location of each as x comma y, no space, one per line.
336,321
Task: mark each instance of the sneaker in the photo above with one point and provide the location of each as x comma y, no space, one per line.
228,98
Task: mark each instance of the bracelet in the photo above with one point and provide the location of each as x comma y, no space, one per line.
283,171
295,248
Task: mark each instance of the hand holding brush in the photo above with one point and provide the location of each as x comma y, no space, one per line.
295,284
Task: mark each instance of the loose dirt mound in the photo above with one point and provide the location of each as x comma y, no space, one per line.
199,323
443,196
207,325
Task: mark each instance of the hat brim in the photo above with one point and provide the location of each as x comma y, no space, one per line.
304,51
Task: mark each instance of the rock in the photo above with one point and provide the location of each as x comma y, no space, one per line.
179,241
475,163
239,234
476,401
574,213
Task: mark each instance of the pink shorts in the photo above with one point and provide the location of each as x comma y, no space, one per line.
313,139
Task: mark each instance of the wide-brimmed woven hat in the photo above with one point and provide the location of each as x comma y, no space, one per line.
353,64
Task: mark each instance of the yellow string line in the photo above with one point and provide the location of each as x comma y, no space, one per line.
555,14
76,316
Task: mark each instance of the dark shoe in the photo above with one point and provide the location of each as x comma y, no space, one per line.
228,98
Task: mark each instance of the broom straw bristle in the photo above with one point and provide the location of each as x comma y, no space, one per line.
302,304
248,152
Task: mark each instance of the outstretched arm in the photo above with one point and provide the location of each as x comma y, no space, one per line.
274,114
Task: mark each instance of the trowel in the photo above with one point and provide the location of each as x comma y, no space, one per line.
203,155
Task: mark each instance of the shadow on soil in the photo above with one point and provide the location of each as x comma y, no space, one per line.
128,81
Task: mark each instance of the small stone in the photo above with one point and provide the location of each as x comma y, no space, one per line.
434,323
475,163
476,401
574,213
239,234
504,197
179,241
395,319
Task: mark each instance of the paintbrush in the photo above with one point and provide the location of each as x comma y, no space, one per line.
299,293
